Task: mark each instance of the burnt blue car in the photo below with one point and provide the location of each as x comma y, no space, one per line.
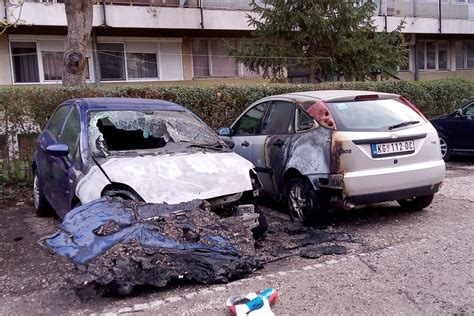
456,132
147,150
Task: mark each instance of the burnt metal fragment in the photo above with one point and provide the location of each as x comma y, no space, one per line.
314,252
121,244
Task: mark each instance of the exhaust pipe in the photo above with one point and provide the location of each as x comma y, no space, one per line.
338,202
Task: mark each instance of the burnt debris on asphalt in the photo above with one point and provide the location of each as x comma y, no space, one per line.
118,245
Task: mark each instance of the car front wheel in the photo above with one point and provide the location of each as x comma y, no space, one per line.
41,204
416,203
306,204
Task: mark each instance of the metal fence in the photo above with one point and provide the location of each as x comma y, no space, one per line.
15,160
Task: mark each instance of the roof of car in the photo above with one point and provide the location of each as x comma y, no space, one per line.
126,103
332,95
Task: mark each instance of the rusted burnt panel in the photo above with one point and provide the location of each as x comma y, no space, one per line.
277,153
337,166
309,152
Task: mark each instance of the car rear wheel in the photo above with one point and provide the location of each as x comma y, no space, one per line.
40,203
306,204
445,151
416,203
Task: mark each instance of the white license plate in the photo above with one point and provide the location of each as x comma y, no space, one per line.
392,149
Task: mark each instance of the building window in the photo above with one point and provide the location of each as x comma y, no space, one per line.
465,55
433,55
111,61
31,67
211,58
142,60
200,51
407,66
142,65
128,61
53,66
25,62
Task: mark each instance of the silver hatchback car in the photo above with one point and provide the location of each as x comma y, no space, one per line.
343,147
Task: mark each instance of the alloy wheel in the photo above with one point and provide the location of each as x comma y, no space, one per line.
444,147
298,202
36,192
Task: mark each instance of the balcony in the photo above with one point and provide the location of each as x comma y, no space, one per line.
206,4
422,16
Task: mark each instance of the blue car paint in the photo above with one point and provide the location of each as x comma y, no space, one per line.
58,176
78,240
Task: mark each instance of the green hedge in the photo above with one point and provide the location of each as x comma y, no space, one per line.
219,105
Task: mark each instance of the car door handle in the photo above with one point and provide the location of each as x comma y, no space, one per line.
245,144
278,143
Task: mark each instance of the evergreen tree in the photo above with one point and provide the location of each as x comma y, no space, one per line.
324,37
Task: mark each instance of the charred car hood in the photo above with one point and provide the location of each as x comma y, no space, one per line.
174,178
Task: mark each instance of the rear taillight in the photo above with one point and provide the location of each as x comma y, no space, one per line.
321,113
413,107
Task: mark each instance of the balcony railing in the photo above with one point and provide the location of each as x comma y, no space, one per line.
450,9
206,4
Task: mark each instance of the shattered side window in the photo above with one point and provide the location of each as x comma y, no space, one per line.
140,130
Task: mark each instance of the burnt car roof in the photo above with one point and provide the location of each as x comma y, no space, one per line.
334,95
91,104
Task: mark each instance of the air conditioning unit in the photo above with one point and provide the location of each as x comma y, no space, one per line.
409,39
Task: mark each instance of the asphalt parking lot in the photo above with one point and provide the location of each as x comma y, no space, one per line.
391,261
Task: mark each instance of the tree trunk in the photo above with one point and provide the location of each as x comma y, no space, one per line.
312,66
79,20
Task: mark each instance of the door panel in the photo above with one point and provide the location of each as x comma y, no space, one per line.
45,161
278,128
247,143
64,169
466,129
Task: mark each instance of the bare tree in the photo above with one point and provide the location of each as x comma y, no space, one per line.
13,9
79,14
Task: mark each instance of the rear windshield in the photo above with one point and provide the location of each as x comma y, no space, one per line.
375,115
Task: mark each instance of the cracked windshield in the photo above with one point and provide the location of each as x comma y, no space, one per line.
122,131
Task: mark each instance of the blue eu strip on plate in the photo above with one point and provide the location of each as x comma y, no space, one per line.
374,150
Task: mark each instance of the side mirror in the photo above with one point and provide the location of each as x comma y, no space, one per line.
58,150
460,112
224,131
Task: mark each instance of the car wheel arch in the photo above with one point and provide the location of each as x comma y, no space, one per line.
117,189
75,202
289,174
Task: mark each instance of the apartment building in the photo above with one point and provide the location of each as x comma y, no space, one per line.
184,40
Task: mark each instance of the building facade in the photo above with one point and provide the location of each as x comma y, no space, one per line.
185,40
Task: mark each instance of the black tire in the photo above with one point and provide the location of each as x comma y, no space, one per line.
417,203
42,207
262,227
445,150
314,204
122,195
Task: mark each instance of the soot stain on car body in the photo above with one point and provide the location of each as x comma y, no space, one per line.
312,152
